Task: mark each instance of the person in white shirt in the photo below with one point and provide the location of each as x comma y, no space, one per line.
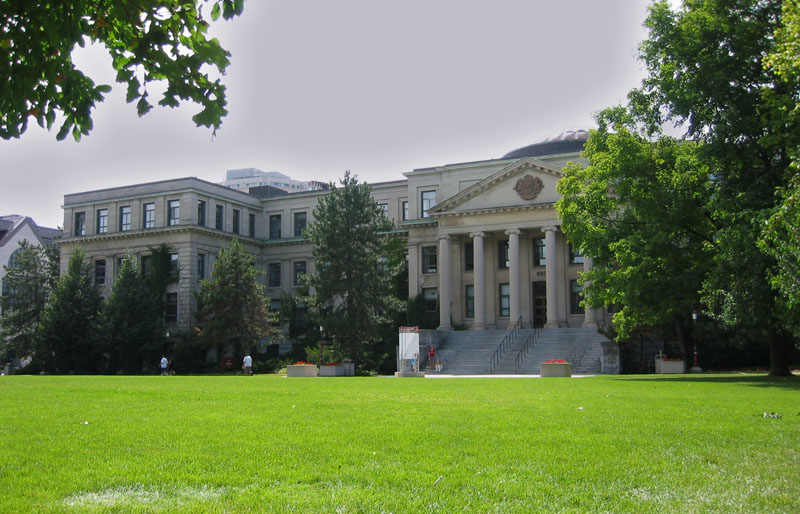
164,364
247,364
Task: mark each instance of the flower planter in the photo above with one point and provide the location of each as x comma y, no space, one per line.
555,369
349,368
301,370
670,366
332,370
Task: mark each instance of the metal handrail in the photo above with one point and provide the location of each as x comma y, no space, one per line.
529,343
508,341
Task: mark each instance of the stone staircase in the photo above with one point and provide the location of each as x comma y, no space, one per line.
469,352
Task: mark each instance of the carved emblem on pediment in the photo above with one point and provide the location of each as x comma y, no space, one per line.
529,187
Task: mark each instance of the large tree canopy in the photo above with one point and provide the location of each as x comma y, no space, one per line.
148,40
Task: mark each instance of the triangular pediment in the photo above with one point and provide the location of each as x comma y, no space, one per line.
522,184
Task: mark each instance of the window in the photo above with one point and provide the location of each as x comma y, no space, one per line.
502,255
252,225
171,308
575,256
575,290
469,296
219,219
469,256
80,224
100,272
505,301
173,266
201,266
300,316
429,259
237,218
275,307
174,212
102,221
201,213
124,218
405,209
274,275
147,265
428,201
385,208
300,224
149,215
539,252
430,295
275,226
299,271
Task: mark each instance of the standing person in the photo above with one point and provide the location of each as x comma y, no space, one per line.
164,364
431,357
247,364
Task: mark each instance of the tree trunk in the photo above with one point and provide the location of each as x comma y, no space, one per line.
780,352
681,335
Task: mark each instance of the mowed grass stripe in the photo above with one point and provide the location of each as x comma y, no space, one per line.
272,444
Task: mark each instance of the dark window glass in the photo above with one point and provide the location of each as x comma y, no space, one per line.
149,215
299,270
299,223
147,265
201,213
173,266
469,295
174,212
274,275
428,200
252,225
429,259
171,308
275,226
405,210
575,256
102,221
469,256
80,224
539,252
100,272
237,215
505,301
431,297
575,290
201,266
502,255
124,218
219,221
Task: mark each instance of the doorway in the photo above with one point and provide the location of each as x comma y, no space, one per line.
539,304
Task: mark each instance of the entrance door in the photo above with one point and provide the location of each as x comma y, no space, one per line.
539,304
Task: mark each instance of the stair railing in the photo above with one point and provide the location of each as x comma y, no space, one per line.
527,346
505,344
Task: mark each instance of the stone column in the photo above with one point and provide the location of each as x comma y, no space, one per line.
514,274
551,278
413,270
589,314
479,274
444,283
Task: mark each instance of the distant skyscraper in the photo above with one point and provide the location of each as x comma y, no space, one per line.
245,178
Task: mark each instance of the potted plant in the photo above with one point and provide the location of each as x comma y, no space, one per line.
301,369
666,365
555,368
332,369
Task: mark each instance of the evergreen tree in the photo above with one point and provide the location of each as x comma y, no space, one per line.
30,279
71,321
233,309
356,259
131,318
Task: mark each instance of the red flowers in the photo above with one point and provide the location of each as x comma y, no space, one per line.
301,363
556,361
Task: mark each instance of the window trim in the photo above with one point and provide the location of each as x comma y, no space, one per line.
500,297
101,215
149,208
427,268
173,212
123,216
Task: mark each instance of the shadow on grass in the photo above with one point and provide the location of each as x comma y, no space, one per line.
758,380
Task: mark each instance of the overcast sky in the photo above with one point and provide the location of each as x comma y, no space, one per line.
380,88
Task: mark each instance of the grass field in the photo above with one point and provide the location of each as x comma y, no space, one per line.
272,444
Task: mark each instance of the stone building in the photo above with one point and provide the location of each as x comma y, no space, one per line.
484,240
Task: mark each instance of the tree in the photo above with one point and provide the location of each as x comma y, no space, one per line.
638,209
30,278
131,318
356,259
71,321
151,41
707,72
233,309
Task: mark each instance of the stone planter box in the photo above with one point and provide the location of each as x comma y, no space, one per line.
671,366
349,368
301,370
327,370
555,369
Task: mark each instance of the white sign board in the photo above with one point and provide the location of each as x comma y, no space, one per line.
409,345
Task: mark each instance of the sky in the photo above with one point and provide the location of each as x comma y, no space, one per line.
376,87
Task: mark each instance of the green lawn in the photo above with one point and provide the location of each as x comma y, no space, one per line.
268,443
